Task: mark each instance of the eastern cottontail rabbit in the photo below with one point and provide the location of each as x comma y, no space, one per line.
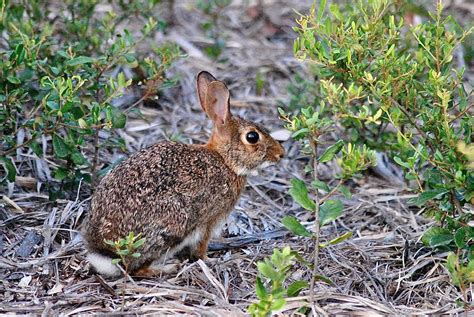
177,195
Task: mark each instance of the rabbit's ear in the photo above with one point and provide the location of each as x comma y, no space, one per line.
203,80
217,102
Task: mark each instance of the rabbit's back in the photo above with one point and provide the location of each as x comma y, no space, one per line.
163,192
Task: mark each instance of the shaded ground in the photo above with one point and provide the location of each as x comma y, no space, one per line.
383,269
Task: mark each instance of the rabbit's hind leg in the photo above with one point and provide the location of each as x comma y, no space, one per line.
212,230
201,248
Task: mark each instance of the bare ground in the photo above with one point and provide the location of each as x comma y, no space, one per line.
383,269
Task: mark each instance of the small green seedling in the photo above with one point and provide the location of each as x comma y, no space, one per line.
126,248
270,284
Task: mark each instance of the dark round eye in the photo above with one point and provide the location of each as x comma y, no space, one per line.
252,137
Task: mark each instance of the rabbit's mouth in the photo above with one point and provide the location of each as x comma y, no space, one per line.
262,166
244,171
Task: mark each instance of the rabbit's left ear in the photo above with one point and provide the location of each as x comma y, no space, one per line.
202,82
217,104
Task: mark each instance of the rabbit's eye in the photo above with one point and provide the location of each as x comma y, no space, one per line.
252,137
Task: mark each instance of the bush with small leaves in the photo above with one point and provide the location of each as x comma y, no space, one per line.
62,67
395,88
309,126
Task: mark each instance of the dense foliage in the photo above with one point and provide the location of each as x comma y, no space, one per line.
392,87
62,66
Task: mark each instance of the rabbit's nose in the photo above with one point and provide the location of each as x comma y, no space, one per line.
280,152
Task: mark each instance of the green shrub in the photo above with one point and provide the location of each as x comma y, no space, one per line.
394,88
309,127
270,285
62,67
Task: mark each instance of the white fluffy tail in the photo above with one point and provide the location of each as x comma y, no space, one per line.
103,264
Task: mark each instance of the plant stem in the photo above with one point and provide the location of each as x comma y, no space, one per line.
328,195
95,159
314,147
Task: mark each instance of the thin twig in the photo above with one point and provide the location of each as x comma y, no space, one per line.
328,195
95,159
314,148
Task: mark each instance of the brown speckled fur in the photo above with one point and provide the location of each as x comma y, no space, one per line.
169,190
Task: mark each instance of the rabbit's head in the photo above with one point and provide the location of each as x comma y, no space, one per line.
245,146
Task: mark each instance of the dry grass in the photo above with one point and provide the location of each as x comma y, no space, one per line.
382,270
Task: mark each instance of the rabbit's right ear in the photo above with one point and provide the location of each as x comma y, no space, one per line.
202,82
217,104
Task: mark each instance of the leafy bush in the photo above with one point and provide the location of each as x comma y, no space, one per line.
274,271
309,127
394,88
62,67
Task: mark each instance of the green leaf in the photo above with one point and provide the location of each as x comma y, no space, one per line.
436,236
61,173
451,263
267,270
260,289
20,53
334,8
300,133
118,119
292,224
122,81
278,303
116,261
320,185
139,243
10,168
130,58
322,6
323,278
53,105
123,252
36,148
122,242
60,148
79,61
296,287
401,163
136,255
13,80
426,196
339,239
331,151
78,158
109,242
462,237
329,211
345,191
299,192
